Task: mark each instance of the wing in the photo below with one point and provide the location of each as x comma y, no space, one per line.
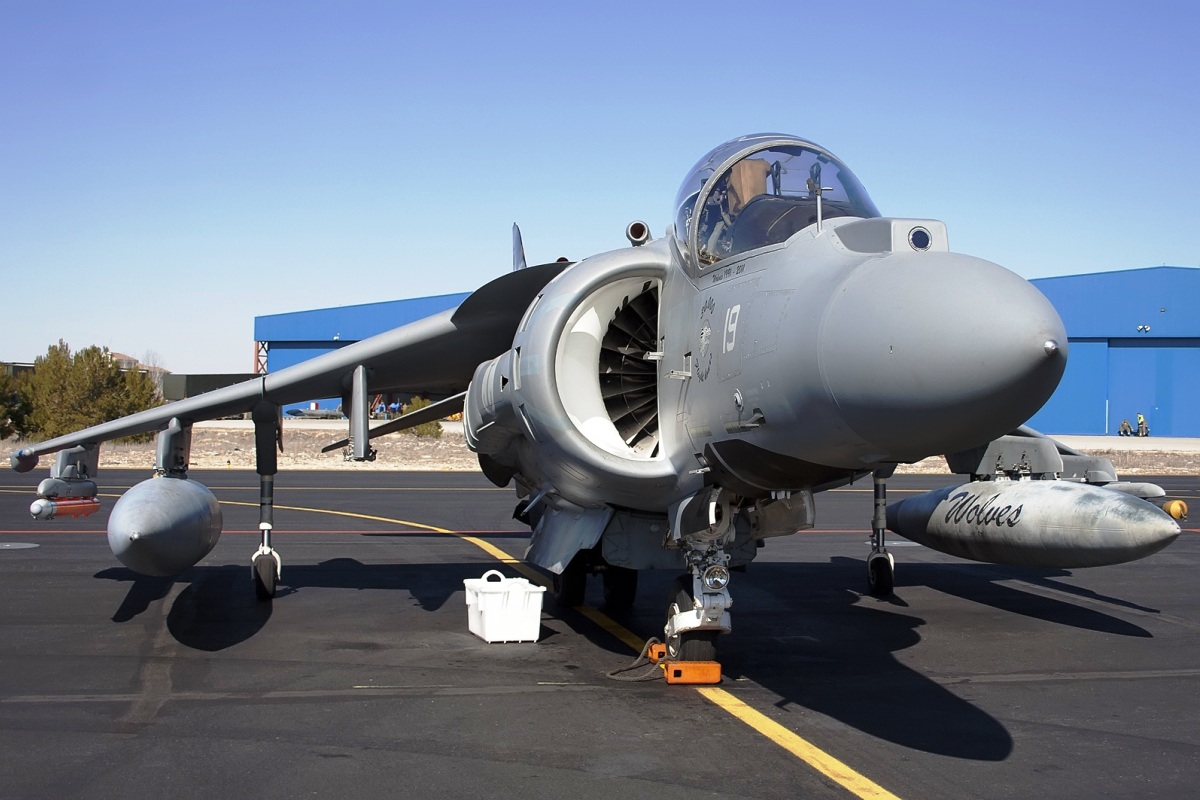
438,354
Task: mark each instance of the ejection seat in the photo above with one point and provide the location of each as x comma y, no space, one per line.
770,219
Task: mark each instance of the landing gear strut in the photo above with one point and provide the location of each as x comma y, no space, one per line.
570,585
265,564
620,587
881,567
698,602
620,583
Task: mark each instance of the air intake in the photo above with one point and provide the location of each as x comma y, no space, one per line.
628,380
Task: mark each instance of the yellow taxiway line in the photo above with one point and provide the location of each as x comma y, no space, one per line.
832,768
835,770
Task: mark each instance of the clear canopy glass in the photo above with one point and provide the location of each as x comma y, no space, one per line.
759,190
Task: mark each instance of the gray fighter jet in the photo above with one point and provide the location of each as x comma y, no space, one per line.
676,403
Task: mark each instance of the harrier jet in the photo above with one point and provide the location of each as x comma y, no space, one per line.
677,403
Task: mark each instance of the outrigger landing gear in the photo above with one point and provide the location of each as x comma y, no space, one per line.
266,565
881,567
267,568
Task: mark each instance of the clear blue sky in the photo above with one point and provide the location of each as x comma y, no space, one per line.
168,171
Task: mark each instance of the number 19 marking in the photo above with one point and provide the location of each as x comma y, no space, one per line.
731,323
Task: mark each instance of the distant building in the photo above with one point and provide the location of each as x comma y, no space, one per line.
128,363
1134,348
1134,339
178,386
287,339
15,368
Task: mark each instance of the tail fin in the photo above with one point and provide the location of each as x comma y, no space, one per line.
518,249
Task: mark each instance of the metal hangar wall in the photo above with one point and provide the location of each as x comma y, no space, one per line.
293,337
1134,339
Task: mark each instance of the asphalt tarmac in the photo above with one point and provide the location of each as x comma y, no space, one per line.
361,679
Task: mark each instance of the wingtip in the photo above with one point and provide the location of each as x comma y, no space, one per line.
23,460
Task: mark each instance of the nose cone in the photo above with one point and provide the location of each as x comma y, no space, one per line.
931,353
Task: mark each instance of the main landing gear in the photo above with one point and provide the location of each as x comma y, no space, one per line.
620,583
570,585
881,567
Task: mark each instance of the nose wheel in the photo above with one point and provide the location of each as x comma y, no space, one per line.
688,645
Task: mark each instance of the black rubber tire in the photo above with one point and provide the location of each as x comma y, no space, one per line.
265,577
570,587
620,588
881,576
689,645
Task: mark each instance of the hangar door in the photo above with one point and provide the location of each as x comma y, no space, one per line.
1156,377
1077,406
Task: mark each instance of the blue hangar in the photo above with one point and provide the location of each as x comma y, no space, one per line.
1134,346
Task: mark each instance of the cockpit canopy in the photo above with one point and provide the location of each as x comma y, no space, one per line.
758,190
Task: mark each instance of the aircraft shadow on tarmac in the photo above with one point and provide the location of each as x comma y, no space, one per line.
828,648
980,583
217,608
825,647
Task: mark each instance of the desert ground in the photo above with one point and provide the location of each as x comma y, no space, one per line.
230,444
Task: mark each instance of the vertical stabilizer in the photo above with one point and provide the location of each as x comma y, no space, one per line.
518,249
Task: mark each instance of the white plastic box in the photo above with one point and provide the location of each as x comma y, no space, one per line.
505,609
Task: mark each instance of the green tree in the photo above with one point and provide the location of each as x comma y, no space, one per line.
433,429
68,391
14,411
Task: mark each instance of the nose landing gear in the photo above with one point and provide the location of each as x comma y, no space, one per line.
688,644
698,605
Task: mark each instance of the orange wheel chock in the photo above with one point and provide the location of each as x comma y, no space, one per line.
694,672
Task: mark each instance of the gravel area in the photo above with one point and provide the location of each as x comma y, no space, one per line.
230,444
